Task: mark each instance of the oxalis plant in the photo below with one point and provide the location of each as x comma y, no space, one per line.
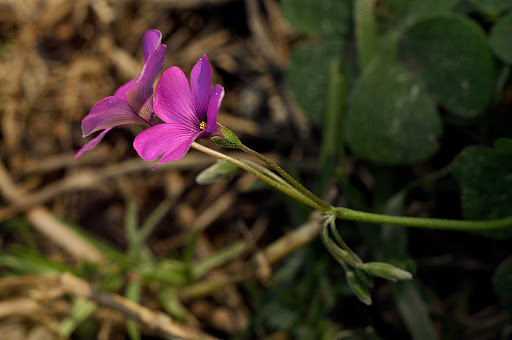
181,112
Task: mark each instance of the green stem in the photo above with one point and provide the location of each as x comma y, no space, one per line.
428,223
268,172
324,206
337,237
339,254
302,194
279,186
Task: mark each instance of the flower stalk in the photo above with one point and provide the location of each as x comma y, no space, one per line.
324,206
315,202
418,222
188,110
274,183
361,216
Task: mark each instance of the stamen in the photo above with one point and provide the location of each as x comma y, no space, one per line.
202,125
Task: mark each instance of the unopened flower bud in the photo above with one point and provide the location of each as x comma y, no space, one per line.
386,271
358,288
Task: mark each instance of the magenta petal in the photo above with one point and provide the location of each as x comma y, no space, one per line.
92,143
170,140
178,150
173,99
216,95
108,113
200,83
140,95
121,91
150,41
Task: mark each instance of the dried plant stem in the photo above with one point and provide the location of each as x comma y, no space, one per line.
157,322
44,221
83,180
67,284
18,307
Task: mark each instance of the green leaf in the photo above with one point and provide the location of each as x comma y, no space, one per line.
485,177
332,138
133,292
106,249
492,7
499,38
399,14
217,172
503,145
406,294
154,218
421,9
131,223
454,59
391,246
168,297
218,258
81,311
413,311
25,261
365,31
502,283
391,120
308,76
325,17
167,271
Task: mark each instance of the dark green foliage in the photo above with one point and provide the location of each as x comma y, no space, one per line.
485,176
453,57
318,16
308,75
391,119
503,283
499,38
424,80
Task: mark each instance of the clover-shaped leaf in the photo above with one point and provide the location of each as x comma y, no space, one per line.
453,57
402,13
492,7
485,176
502,283
308,76
324,17
391,120
499,38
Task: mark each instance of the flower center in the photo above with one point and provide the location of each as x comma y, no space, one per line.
202,125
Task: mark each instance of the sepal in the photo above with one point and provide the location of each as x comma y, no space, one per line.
226,138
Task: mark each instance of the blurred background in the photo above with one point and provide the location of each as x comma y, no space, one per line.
398,107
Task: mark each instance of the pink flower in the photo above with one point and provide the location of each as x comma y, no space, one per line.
132,103
189,113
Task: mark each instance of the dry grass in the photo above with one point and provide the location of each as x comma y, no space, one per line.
57,59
